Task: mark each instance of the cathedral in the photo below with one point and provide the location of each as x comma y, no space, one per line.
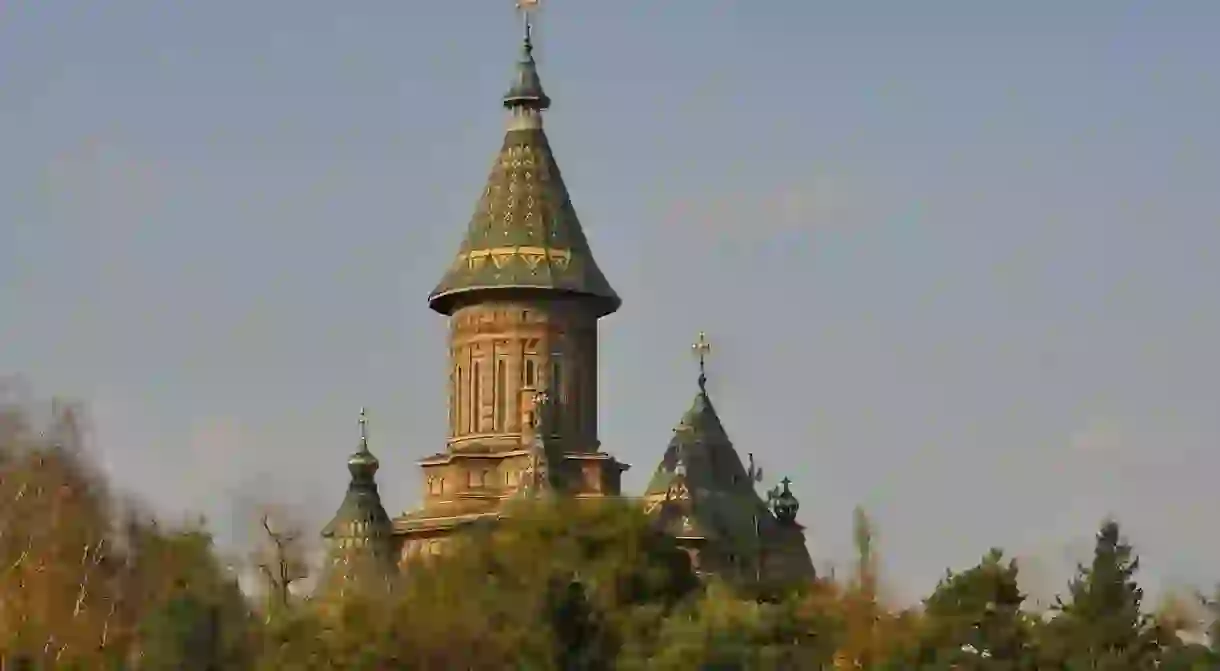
523,297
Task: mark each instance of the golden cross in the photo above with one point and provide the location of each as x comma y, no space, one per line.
527,9
701,348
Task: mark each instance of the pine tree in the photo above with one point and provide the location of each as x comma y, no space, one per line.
974,621
1101,626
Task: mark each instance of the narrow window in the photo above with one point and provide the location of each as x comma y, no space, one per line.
574,400
474,396
453,402
529,372
501,393
459,406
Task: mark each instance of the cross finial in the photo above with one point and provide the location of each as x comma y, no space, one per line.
785,482
701,348
363,422
527,9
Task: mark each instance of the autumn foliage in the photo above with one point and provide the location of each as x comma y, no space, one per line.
89,581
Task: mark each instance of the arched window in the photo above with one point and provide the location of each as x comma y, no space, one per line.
475,389
501,393
459,409
453,402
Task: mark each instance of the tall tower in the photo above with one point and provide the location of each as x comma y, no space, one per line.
523,297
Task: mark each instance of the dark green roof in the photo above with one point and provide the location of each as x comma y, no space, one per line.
361,515
702,447
526,90
720,503
524,235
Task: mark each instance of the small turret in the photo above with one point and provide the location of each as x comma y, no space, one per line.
784,504
526,91
360,529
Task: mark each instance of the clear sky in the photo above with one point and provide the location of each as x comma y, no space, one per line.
958,260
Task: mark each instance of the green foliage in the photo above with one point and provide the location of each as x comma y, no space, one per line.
974,621
722,630
555,585
1101,626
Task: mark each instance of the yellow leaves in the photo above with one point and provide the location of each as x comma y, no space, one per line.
53,531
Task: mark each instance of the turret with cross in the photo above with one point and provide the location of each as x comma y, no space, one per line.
361,521
702,348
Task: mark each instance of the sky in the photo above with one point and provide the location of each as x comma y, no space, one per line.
957,263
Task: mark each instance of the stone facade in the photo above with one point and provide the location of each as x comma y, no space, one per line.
502,355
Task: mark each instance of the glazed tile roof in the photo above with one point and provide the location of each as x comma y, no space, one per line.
525,234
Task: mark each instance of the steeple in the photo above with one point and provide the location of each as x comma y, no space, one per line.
523,299
361,523
524,240
700,445
526,91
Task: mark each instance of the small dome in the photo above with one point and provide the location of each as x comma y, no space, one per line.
362,463
785,505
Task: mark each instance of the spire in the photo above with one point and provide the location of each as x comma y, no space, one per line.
526,90
362,464
702,348
700,445
524,238
361,521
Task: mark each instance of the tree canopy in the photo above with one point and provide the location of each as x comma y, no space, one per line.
88,580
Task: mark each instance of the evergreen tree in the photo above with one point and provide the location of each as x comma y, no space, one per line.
974,621
1101,626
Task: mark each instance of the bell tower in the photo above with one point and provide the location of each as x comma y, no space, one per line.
523,297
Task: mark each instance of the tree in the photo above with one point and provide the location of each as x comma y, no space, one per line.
1101,627
871,634
56,542
974,621
550,574
723,629
194,615
281,563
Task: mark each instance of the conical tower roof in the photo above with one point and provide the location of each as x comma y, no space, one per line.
361,521
524,236
704,483
701,447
